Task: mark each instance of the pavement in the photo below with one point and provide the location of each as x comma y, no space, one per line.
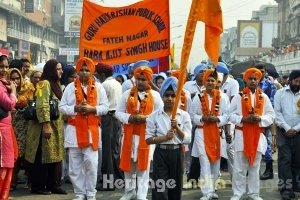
268,190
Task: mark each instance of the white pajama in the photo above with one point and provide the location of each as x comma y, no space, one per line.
241,163
241,167
83,165
137,178
208,175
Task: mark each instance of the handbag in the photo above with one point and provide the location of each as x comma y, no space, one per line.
3,113
30,111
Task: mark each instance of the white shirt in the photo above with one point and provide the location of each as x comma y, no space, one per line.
199,146
128,84
236,116
193,87
123,116
113,91
159,123
66,107
230,87
286,111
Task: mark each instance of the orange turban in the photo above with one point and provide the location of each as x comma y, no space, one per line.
210,72
145,71
85,61
249,72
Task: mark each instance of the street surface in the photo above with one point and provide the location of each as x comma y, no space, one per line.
268,191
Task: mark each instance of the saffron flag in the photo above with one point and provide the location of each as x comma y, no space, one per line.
125,34
210,13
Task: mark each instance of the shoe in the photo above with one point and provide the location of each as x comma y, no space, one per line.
287,195
268,174
206,197
79,197
91,198
58,191
42,191
254,198
214,196
129,196
296,189
187,186
67,180
12,188
234,197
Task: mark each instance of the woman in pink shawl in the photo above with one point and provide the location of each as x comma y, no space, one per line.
8,150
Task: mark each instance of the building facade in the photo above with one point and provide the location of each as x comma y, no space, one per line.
28,34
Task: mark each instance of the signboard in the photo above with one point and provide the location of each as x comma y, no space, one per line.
249,33
73,9
29,6
24,49
157,65
68,51
125,34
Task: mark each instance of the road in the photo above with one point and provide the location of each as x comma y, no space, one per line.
268,191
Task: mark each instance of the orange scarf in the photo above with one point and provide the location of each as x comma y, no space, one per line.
251,131
84,123
211,130
146,107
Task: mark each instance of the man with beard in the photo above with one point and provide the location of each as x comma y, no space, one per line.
287,110
250,112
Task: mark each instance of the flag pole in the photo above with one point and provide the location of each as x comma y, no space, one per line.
185,52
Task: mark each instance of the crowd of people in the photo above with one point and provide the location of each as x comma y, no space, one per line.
109,129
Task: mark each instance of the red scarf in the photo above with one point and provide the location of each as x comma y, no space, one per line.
251,131
211,130
146,107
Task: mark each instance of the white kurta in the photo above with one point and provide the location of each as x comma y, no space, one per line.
236,118
198,147
123,116
241,163
66,107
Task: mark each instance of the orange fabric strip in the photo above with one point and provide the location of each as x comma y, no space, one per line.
146,107
211,130
251,131
89,122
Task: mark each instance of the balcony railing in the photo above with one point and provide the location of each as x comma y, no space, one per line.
287,56
27,37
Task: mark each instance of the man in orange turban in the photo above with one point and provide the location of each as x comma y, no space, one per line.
250,118
249,72
85,61
132,110
83,101
208,73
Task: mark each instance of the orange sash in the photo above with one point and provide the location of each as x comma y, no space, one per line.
251,131
84,123
211,130
146,107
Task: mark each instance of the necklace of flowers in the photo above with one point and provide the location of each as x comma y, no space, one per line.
258,108
133,100
215,103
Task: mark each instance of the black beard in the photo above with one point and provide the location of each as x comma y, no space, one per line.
294,88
